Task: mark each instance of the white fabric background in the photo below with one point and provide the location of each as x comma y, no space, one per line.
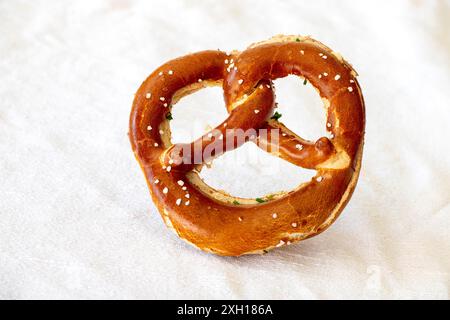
76,220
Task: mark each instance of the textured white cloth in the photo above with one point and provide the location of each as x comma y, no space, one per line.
76,220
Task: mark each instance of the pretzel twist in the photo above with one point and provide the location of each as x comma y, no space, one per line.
219,223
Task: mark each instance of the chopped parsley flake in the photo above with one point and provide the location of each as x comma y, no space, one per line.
276,116
169,116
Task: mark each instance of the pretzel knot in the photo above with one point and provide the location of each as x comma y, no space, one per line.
219,223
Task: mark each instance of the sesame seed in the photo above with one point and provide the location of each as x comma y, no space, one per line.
156,181
321,54
319,178
156,144
184,188
231,61
187,195
162,98
165,105
325,74
187,203
352,81
328,125
178,202
149,128
350,89
148,95
274,215
320,76
302,52
180,182
268,86
161,131
170,161
169,168
299,146
235,68
225,125
165,190
332,136
256,111
239,218
261,86
337,77
294,224
170,72
199,80
226,61
164,167
240,81
324,57
161,73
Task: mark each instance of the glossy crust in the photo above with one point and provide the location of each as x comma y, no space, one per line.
214,221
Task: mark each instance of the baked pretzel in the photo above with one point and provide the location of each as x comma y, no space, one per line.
213,220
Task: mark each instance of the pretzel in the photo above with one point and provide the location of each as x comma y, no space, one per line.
220,223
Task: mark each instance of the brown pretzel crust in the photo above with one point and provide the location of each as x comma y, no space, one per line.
208,218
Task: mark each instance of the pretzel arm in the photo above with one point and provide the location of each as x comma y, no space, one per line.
242,125
285,144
